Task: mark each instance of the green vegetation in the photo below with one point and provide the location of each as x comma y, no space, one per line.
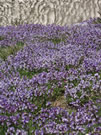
57,40
10,50
2,38
30,74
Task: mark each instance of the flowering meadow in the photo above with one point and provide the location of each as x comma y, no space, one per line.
40,65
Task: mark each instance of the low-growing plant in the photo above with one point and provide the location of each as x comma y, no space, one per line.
56,40
10,50
2,38
49,90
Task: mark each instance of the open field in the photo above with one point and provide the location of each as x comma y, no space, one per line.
50,79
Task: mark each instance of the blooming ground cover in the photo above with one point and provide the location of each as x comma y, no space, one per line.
50,79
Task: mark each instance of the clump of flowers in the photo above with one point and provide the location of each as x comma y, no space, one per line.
42,64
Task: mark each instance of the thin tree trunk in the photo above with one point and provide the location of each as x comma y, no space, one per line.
59,12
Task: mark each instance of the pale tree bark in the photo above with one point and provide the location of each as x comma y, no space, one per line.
59,12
